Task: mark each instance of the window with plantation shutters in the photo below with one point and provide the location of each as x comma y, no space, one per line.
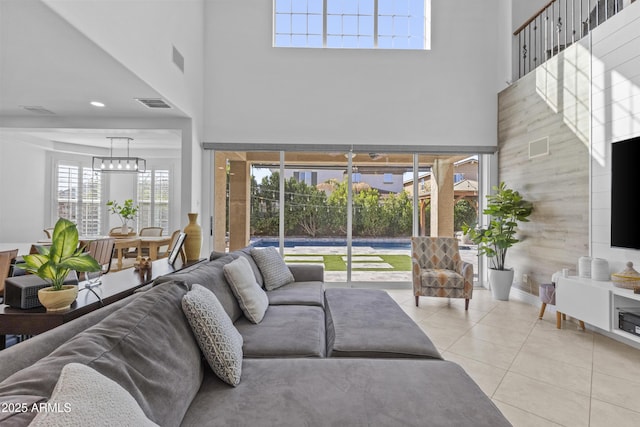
78,196
153,199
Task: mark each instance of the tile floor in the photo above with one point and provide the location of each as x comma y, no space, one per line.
536,374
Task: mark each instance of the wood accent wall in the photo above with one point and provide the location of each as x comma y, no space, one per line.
550,102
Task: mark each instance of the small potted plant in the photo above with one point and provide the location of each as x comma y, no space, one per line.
126,212
506,208
53,264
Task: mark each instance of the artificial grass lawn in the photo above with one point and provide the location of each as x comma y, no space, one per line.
335,262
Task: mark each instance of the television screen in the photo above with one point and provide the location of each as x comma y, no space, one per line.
625,229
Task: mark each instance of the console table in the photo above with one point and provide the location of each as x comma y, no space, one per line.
596,303
115,286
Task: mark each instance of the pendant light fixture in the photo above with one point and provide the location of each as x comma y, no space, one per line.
119,164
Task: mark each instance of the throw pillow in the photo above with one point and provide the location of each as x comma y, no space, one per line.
252,298
273,268
219,340
82,397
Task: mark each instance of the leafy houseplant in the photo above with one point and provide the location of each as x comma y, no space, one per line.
506,208
54,263
126,211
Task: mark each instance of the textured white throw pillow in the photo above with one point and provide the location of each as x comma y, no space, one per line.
251,297
85,397
273,268
218,338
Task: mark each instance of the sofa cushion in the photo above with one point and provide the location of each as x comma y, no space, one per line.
369,323
273,268
219,340
84,397
345,392
245,252
147,347
285,331
298,293
251,297
210,275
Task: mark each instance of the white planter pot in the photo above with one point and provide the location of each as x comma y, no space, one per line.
501,281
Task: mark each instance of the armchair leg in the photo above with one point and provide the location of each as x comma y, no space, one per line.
466,304
417,298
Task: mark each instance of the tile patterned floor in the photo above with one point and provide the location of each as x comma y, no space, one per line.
536,374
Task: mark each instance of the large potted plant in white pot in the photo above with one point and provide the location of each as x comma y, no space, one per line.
506,208
53,264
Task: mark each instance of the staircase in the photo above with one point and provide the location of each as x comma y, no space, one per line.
558,25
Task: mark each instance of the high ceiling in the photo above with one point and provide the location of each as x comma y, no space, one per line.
48,64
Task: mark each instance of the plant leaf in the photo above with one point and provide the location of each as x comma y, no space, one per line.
64,241
82,262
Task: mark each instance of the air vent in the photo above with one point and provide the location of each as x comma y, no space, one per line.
539,147
37,109
153,102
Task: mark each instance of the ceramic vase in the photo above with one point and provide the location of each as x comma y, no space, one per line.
58,300
193,241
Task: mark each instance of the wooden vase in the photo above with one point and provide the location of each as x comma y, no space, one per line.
193,241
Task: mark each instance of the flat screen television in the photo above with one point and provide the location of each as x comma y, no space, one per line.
625,185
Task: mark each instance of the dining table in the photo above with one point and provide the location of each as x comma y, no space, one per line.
153,244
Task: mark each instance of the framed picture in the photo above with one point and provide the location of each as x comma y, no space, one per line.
177,248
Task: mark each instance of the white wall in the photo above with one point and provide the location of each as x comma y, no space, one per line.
615,117
22,211
141,35
255,93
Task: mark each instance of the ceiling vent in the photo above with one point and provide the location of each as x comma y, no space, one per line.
37,109
153,102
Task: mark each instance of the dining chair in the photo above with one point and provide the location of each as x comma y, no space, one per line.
6,258
102,251
48,232
151,231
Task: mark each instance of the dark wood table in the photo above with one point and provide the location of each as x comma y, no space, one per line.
115,286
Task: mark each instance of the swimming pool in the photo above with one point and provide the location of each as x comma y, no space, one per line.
382,243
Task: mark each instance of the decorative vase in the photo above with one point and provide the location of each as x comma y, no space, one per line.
600,270
584,266
125,229
193,241
501,281
58,300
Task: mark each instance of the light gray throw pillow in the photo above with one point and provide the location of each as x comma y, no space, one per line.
218,338
251,297
84,397
273,268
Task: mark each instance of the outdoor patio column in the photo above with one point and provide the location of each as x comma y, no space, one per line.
442,198
239,204
220,202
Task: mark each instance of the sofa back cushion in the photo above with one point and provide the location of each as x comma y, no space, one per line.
273,268
210,275
147,347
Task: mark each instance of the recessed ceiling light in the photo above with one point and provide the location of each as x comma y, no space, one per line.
97,104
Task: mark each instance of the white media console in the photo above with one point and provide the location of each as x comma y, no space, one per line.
596,303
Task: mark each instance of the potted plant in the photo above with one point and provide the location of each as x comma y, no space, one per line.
506,208
126,212
53,264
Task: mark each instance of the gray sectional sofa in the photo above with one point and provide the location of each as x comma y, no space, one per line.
319,357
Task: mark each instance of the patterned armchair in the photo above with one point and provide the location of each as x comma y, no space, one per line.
438,270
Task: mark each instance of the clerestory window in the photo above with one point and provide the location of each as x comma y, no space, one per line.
360,24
